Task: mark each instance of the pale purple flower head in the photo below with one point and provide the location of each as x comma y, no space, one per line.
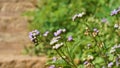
117,61
33,35
96,30
104,20
35,32
86,62
55,34
52,66
110,64
114,12
70,38
58,32
54,59
46,33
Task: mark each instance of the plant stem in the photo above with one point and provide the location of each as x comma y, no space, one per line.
63,58
70,56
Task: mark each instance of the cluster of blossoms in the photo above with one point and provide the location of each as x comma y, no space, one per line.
113,49
46,33
33,35
116,26
117,61
87,62
56,46
104,20
95,32
55,43
78,16
115,11
55,39
70,38
110,64
58,32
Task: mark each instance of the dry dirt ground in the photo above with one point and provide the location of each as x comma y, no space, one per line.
14,35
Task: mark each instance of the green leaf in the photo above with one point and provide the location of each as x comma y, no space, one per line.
111,57
98,60
66,67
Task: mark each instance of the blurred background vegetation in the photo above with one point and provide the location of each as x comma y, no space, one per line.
54,14
51,15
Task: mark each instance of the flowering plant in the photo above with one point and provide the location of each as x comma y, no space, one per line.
91,40
92,48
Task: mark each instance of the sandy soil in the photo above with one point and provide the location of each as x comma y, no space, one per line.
14,36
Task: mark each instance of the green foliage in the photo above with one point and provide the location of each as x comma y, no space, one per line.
94,40
57,14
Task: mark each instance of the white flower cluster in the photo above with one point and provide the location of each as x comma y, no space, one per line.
55,44
54,40
78,16
113,49
117,26
90,57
